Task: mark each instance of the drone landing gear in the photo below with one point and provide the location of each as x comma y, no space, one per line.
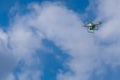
91,31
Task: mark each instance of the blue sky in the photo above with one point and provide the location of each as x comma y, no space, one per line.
49,43
5,6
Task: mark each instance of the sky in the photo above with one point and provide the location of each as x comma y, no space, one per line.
45,40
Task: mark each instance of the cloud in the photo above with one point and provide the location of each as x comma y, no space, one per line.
55,22
19,43
109,33
6,57
64,28
27,75
88,51
24,43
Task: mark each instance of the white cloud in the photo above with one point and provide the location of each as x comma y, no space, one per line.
109,33
10,77
19,42
6,57
63,26
88,51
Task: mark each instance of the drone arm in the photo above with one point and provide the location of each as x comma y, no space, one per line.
85,25
98,23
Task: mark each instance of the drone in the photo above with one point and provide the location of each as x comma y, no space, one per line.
92,26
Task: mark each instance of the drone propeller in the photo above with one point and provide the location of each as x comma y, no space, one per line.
91,20
90,31
98,23
85,25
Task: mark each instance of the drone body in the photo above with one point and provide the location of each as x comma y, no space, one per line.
92,26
